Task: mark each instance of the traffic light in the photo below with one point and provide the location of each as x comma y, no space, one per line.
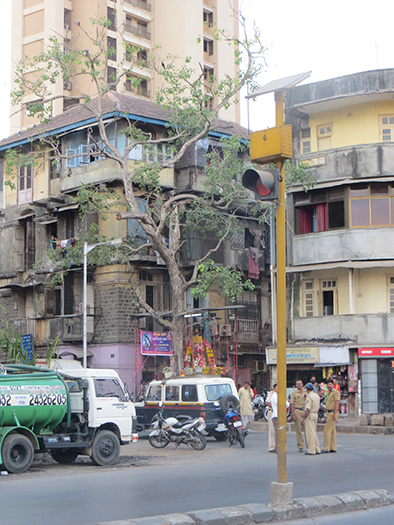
264,183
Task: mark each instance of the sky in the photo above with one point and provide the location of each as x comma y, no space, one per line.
330,39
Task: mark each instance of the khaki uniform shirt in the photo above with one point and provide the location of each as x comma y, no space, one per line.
297,399
332,399
312,402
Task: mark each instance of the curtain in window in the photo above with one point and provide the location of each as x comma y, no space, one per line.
305,220
321,217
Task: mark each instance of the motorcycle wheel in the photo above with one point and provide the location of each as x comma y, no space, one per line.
321,417
199,442
159,440
240,438
265,413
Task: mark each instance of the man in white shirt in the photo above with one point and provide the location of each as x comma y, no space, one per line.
274,406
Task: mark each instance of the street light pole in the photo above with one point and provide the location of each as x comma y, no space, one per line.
86,249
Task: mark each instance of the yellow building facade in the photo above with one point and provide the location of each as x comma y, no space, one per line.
340,240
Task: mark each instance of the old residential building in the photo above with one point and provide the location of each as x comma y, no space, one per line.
42,203
180,28
341,234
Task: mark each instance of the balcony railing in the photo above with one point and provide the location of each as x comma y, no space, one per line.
246,326
356,329
138,31
140,3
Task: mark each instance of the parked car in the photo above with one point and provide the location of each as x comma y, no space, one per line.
189,397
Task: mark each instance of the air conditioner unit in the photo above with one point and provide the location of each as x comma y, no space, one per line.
225,329
67,85
142,322
261,366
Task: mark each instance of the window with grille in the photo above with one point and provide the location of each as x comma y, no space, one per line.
111,48
111,15
309,298
305,139
208,18
391,294
386,128
208,46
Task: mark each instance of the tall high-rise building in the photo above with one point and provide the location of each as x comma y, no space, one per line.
177,27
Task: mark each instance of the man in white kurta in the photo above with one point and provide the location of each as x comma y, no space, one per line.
245,395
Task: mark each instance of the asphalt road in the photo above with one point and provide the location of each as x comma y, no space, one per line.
149,482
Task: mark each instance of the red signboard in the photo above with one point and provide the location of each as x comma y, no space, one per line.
375,352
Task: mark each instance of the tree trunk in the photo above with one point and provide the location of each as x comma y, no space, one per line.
177,347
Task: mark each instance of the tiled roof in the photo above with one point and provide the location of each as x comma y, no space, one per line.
112,103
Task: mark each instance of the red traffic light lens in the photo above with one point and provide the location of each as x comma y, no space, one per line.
261,189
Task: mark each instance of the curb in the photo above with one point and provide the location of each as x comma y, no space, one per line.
341,429
252,513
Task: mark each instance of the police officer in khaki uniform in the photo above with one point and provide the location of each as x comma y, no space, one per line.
309,421
332,409
297,403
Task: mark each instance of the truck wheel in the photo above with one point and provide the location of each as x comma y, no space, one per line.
105,448
65,455
17,453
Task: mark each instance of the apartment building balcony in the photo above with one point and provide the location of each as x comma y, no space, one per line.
140,3
355,330
101,171
46,330
247,331
364,161
137,31
367,244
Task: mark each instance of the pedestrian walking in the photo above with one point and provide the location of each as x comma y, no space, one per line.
332,409
309,420
297,405
245,395
271,428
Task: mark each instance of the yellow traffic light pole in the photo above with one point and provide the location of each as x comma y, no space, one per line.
275,145
281,305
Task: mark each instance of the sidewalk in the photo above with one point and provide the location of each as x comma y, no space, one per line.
345,425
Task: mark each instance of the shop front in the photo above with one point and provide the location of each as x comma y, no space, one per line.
320,362
377,379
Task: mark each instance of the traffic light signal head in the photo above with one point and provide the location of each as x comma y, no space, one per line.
264,183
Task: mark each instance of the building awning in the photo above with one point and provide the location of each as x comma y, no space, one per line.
371,263
76,352
67,207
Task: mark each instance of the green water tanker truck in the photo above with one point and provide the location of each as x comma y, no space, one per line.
66,413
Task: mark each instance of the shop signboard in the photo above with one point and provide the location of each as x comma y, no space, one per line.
295,355
156,343
376,352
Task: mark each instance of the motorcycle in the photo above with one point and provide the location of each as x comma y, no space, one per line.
289,416
322,415
258,405
170,430
233,423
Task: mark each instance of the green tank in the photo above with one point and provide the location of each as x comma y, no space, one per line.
34,399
